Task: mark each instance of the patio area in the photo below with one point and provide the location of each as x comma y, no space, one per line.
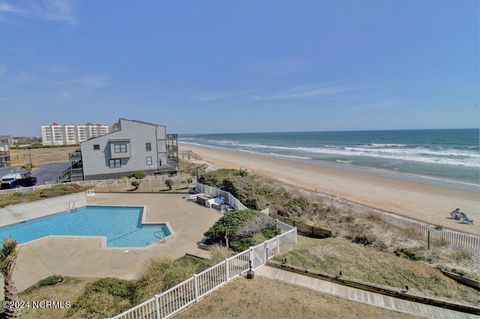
85,257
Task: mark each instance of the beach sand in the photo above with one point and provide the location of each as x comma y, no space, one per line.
423,202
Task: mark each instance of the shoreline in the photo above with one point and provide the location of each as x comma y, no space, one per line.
424,202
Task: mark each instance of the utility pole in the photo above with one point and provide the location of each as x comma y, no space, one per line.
30,155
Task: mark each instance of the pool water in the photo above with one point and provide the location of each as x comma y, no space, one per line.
122,226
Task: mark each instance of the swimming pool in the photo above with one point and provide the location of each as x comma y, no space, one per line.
122,226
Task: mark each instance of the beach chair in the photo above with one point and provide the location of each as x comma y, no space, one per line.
466,219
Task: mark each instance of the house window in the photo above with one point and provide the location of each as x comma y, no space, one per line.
149,160
114,163
96,147
120,148
148,147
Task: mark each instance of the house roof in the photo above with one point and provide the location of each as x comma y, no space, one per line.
137,121
142,122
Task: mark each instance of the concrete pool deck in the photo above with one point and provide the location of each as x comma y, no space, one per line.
85,257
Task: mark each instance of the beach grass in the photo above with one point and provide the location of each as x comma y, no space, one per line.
271,299
369,265
92,298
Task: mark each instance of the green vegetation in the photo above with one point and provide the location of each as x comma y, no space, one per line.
270,299
243,229
48,281
191,168
103,298
257,192
68,289
110,296
169,184
106,297
137,175
8,257
135,184
58,190
369,265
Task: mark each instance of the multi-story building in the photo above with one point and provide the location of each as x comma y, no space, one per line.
134,146
4,154
56,134
7,139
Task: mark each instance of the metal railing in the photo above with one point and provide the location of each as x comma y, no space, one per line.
177,298
215,192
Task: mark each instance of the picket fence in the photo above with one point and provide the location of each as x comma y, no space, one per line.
459,239
177,298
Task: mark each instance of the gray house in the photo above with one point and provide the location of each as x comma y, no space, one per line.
134,146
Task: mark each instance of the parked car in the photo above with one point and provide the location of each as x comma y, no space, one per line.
17,180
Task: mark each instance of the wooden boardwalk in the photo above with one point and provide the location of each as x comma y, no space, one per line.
367,297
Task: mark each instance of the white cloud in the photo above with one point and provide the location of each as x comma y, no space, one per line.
50,10
6,7
309,91
222,95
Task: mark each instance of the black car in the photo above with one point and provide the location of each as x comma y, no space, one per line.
17,180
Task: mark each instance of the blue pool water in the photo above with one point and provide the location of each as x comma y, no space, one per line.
121,225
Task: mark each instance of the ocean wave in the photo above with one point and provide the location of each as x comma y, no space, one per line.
384,145
344,162
451,157
420,151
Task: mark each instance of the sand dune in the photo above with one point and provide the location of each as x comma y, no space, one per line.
424,202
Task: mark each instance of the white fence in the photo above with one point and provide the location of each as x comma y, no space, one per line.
459,239
215,192
191,290
157,181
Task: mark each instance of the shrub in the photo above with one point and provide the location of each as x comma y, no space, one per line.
164,273
409,253
50,280
229,224
104,298
169,184
135,184
241,227
137,175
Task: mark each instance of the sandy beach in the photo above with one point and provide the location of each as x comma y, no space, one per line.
424,202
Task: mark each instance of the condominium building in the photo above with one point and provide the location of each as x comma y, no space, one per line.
133,146
56,134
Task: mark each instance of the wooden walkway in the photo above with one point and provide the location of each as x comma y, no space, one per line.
370,298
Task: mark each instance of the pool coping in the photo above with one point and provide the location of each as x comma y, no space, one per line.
102,238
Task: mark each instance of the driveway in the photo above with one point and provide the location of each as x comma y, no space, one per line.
47,172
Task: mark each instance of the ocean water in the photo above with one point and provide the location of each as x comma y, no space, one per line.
449,155
120,225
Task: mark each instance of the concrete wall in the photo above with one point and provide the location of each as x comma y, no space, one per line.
136,135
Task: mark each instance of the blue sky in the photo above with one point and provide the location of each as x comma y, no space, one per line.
240,66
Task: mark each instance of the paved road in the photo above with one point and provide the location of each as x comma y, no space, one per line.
48,172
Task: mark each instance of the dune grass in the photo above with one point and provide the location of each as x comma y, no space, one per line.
102,298
369,265
269,299
22,197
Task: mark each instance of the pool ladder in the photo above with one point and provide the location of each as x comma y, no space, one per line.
72,206
160,235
